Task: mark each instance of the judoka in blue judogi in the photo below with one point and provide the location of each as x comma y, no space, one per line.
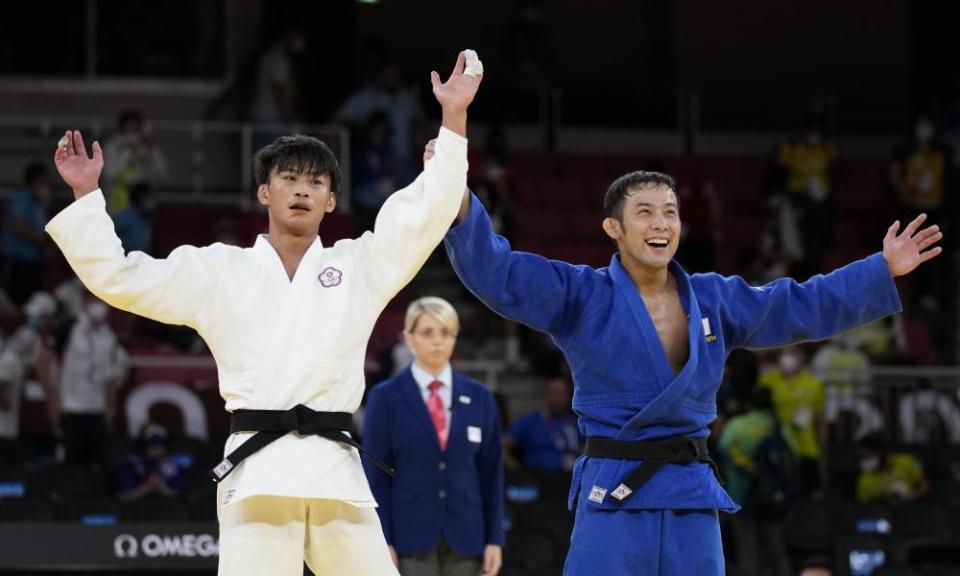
646,344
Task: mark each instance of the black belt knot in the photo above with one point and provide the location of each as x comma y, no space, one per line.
270,425
301,420
655,454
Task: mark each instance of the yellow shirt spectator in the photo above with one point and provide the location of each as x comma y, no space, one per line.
924,178
808,168
799,402
901,478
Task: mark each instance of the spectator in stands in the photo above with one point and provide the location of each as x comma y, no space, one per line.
33,343
547,439
388,94
151,471
798,397
443,512
757,533
94,365
23,235
929,416
840,362
889,476
277,97
493,180
884,341
781,245
373,162
918,173
845,371
11,390
807,165
71,297
134,223
130,158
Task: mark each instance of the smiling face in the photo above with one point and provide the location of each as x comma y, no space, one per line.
296,201
648,230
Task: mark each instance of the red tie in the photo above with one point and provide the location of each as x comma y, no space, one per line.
437,413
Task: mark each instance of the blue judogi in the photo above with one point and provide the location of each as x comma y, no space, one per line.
456,492
624,387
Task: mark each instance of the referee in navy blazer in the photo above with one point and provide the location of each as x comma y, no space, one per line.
442,514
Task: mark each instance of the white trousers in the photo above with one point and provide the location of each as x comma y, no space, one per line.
275,535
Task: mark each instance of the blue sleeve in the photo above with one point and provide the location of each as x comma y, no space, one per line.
521,286
490,466
785,311
376,439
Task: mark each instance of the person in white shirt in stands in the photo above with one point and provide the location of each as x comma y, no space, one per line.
11,390
34,345
94,365
287,322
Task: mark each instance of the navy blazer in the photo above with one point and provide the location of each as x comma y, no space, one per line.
456,492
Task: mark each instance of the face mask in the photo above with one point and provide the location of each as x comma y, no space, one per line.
870,464
789,362
97,311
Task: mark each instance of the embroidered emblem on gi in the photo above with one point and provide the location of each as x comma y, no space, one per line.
621,492
228,495
707,331
464,399
330,277
596,494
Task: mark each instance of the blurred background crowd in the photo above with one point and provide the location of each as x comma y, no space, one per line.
797,132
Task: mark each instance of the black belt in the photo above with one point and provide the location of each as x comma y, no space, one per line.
655,455
270,425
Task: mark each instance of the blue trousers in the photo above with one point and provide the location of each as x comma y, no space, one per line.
644,543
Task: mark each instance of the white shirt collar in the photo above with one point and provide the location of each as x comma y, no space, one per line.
424,378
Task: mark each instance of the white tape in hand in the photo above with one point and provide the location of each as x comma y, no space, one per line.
474,66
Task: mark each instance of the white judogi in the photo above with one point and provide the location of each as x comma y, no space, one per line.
277,342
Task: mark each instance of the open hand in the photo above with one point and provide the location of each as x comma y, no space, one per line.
78,170
456,94
907,250
492,560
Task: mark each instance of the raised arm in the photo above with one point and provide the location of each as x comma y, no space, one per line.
413,220
170,290
785,311
521,286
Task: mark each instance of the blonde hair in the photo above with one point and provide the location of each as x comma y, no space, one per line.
436,307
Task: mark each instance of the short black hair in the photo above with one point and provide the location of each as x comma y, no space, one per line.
297,153
624,185
33,171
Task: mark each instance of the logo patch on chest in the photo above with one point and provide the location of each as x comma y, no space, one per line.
708,334
597,494
330,276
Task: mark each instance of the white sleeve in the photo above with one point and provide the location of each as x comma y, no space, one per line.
414,220
170,290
